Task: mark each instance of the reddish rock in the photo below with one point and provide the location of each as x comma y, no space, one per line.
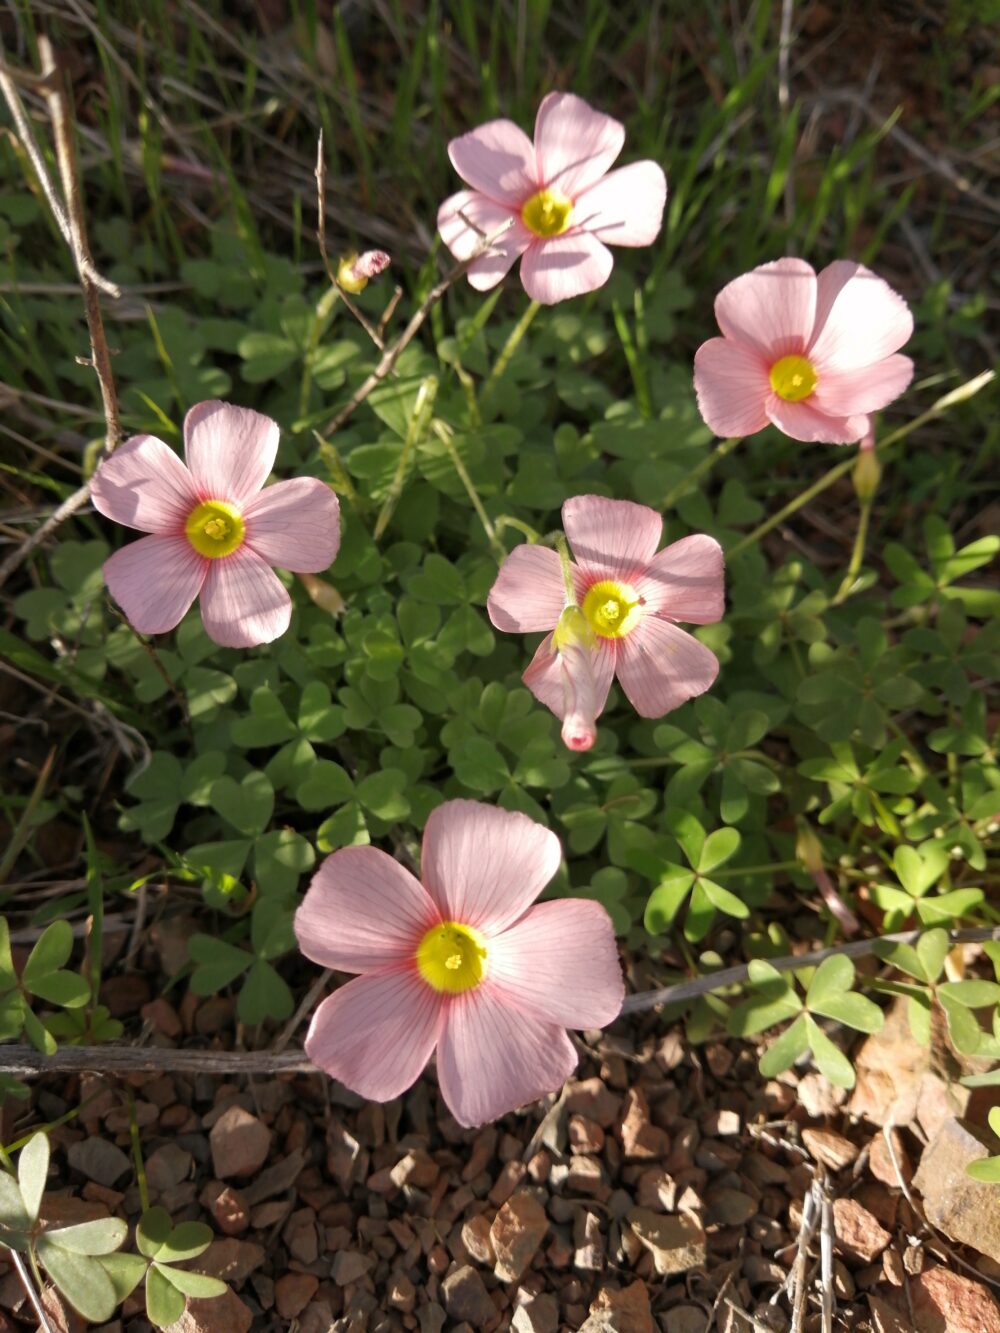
229,1208
477,1242
232,1260
293,1292
216,1314
517,1231
626,1307
676,1243
881,1164
858,1232
592,1098
240,1143
832,1149
641,1139
946,1302
585,1135
964,1209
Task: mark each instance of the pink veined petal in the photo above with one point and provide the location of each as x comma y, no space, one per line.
859,318
377,1033
493,1058
498,160
529,593
611,539
155,580
544,676
808,422
146,486
295,524
579,729
243,602
556,268
230,450
661,666
772,308
559,963
731,381
485,866
362,911
575,145
849,392
626,206
685,581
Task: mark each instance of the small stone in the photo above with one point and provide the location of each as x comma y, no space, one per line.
881,1164
417,1168
517,1231
691,1319
723,1124
232,1260
585,1135
885,1319
477,1242
946,1302
431,1317
892,1267
168,1166
465,1297
729,1208
964,1209
588,1255
641,1139
586,1176
627,1307
657,1190
818,1096
592,1098
162,1016
676,1243
240,1143
349,1266
229,1208
536,1314
402,1293
98,1159
833,1150
214,1314
507,1182
858,1232
890,1066
293,1292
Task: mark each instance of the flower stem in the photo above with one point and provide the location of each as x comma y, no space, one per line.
963,391
707,463
507,351
140,1169
857,554
422,409
444,434
567,568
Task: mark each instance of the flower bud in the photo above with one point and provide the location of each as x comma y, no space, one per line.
324,594
353,271
573,639
867,471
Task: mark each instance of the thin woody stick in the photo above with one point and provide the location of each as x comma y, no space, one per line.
359,315
72,224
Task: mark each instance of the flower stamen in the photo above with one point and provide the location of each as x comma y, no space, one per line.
452,958
612,609
215,528
547,213
793,378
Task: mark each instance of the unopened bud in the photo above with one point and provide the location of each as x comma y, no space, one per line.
808,848
325,595
354,270
573,628
573,640
867,471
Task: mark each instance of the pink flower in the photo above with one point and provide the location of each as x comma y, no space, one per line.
814,355
566,205
462,964
214,530
354,270
631,597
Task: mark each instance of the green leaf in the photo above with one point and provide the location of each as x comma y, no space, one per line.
665,900
932,949
186,1241
62,988
51,951
101,1236
219,963
688,832
125,1271
948,906
786,1049
383,794
722,899
265,995
153,1230
164,1303
80,1278
266,724
919,868
987,1170
718,847
13,1213
972,994
327,785
247,805
833,976
829,1059
38,1035
993,1119
33,1173
855,1010
198,1285
965,1032
8,977
280,858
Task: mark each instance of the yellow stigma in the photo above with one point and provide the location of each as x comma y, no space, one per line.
612,609
215,528
452,958
547,213
793,378
347,278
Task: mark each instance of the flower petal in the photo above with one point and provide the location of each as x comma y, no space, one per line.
808,422
859,318
772,308
230,450
146,486
661,666
363,910
685,581
529,593
557,268
625,207
731,381
845,393
498,160
575,144
559,963
485,866
579,728
155,580
493,1058
377,1033
488,216
243,602
295,524
544,676
613,539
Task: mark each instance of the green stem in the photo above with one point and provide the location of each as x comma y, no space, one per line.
443,432
507,521
507,351
562,547
634,349
839,470
422,409
707,463
857,554
140,1169
319,321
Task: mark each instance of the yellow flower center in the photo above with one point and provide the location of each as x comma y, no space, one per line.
547,213
612,609
215,528
452,958
793,378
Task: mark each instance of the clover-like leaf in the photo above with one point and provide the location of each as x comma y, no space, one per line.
80,1278
164,1302
52,949
125,1272
33,1173
153,1230
198,1285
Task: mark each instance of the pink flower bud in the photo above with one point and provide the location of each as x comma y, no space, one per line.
573,640
354,270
